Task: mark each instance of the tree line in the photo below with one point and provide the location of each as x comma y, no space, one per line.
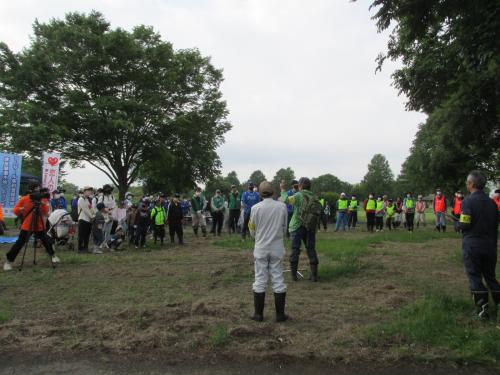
143,112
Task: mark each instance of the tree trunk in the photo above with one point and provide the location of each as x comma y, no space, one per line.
123,184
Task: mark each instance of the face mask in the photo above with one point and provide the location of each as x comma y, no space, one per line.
370,196
57,196
197,194
408,196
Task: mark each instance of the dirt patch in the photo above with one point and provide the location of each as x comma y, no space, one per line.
47,363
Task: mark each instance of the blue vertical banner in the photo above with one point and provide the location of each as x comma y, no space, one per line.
10,181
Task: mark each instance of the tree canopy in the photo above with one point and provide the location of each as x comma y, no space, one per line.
286,174
123,101
379,179
450,58
257,177
329,182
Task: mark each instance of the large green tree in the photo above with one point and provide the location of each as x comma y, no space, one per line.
123,101
221,183
257,177
330,183
379,179
450,55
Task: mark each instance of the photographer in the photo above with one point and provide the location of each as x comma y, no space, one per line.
3,227
25,209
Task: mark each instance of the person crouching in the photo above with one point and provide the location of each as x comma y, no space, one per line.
268,225
116,238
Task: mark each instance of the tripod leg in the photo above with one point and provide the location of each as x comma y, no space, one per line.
24,252
34,250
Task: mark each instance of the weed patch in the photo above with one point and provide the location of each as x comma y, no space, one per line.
219,336
441,322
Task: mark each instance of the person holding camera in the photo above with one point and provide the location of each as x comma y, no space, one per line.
3,227
32,209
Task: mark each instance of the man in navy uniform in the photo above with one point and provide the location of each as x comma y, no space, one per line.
478,221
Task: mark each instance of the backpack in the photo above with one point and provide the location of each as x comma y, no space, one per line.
310,212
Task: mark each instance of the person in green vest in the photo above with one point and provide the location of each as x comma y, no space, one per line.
323,217
159,219
379,214
342,208
390,211
352,219
234,207
217,207
298,230
370,206
198,204
409,210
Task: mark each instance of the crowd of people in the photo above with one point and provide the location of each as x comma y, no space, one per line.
269,216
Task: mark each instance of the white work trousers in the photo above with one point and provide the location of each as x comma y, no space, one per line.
269,265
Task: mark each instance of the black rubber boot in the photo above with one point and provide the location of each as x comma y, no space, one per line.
204,231
181,240
195,229
438,228
314,273
258,304
279,303
481,303
293,269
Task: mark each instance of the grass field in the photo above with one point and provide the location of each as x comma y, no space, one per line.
389,296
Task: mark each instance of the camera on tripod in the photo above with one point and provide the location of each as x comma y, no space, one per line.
37,196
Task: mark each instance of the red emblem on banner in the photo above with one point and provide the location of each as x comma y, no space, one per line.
53,161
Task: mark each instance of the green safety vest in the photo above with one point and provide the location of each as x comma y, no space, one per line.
409,203
234,201
380,205
342,204
322,201
390,210
353,205
371,204
158,214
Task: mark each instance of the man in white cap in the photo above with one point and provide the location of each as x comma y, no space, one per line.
268,225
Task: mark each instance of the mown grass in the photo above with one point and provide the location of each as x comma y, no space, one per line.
442,322
340,253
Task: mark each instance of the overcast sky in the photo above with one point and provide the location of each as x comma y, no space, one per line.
300,79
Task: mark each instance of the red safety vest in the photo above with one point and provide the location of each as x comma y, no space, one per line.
457,208
439,204
497,201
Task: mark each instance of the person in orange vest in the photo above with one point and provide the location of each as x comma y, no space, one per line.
439,206
3,227
456,208
31,225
